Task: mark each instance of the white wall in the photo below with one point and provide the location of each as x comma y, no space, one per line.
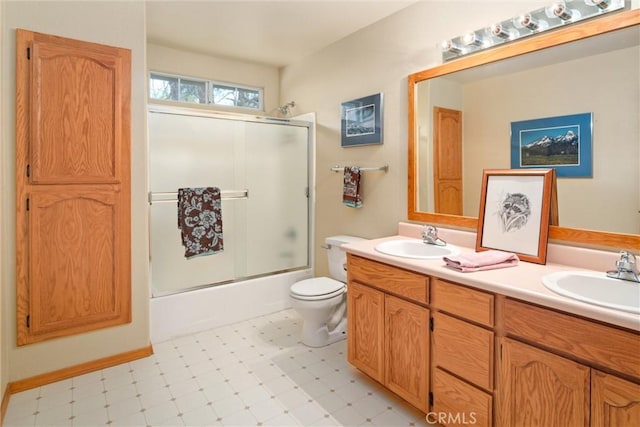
377,59
113,23
173,61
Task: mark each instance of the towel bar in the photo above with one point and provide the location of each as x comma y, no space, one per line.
384,168
158,197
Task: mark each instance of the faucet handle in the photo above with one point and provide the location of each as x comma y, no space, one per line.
625,268
430,236
430,232
626,262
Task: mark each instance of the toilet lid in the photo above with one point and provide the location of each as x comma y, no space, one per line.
316,287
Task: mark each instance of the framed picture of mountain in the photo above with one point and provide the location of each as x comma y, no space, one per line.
562,143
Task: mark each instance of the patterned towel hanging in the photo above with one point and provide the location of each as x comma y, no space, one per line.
351,188
200,220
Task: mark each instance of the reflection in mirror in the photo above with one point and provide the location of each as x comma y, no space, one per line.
461,112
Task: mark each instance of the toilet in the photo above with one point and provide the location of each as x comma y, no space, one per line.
322,301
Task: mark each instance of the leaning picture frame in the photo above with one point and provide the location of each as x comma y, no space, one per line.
516,208
361,121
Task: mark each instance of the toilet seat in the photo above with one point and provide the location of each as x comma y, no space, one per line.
318,288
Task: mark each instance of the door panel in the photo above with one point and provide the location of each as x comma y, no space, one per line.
407,350
75,108
73,258
538,388
365,337
614,401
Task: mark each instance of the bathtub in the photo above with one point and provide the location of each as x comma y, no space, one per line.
206,308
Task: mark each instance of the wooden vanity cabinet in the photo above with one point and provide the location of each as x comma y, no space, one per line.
557,369
495,360
388,327
463,353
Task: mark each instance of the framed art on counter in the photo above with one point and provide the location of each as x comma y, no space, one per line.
516,209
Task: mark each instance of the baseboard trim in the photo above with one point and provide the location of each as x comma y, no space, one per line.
72,371
5,404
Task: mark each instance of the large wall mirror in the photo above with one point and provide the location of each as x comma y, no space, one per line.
460,116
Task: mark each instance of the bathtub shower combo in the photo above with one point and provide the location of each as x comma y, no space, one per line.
263,168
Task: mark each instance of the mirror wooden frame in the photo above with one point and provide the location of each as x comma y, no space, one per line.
568,34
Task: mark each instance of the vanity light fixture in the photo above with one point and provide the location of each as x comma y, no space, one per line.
556,15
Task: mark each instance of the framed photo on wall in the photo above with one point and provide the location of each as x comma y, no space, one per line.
561,142
361,121
516,208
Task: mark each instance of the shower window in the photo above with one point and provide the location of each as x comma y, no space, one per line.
168,87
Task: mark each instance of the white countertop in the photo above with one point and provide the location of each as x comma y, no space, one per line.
522,281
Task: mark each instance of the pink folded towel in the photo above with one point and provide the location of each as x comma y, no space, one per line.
478,261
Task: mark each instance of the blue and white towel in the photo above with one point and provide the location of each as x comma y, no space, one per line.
200,220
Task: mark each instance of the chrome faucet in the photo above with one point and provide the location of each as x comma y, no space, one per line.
626,268
430,236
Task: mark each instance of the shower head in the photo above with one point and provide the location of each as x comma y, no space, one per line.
285,109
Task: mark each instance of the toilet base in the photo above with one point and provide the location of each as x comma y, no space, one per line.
314,335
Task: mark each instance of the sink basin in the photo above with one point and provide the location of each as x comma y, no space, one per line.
596,288
406,248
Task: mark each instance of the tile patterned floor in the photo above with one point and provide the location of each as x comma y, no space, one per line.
253,373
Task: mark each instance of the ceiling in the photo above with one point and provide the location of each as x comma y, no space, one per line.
273,32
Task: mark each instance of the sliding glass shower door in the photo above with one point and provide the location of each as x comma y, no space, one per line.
262,169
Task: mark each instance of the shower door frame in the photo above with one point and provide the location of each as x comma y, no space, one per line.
311,154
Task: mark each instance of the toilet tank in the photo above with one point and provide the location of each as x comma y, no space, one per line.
338,257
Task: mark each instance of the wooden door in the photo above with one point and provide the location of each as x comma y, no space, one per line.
447,160
537,388
73,251
407,351
614,401
365,335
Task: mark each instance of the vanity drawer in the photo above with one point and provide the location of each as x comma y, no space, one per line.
397,281
589,341
455,397
471,304
463,349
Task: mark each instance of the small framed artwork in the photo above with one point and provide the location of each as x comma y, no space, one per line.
561,142
516,207
362,121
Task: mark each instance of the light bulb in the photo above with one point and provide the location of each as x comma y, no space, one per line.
529,22
601,4
498,30
450,46
560,10
472,39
